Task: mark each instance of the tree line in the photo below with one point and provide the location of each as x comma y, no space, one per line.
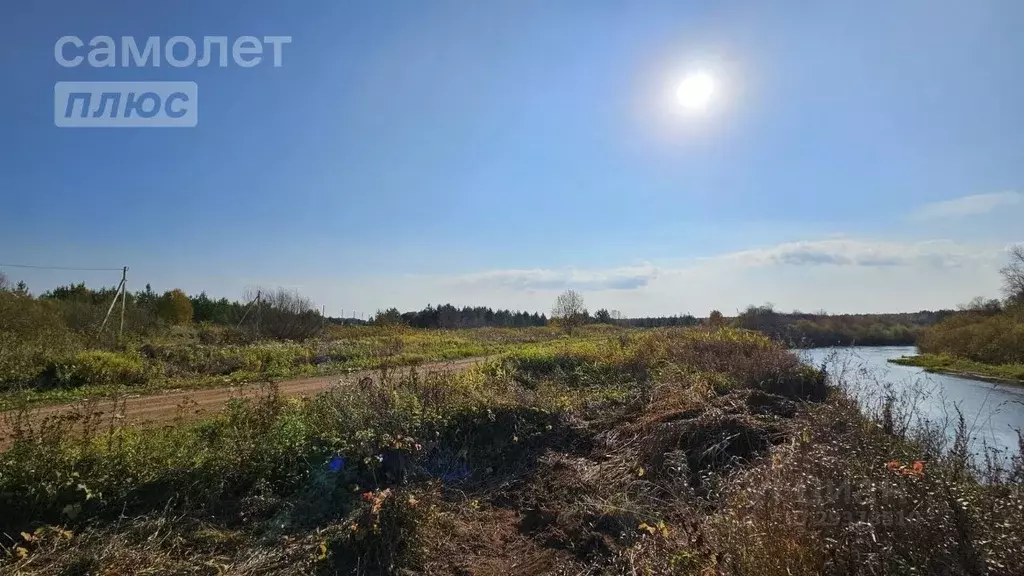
288,315
450,316
277,313
822,330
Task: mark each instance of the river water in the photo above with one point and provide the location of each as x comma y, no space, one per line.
993,412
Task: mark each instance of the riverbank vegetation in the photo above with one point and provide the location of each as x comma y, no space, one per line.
820,330
984,337
990,333
673,451
963,367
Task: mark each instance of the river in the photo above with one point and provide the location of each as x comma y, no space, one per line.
993,412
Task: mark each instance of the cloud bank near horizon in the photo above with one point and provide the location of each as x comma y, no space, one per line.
844,252
624,278
863,253
966,206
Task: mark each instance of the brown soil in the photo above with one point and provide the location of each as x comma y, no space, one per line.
193,404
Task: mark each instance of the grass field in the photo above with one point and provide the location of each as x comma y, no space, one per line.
204,357
655,452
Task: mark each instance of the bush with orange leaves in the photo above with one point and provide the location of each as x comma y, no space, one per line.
915,470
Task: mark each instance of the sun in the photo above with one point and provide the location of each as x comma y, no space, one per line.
696,91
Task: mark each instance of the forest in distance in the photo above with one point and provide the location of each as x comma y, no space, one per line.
147,310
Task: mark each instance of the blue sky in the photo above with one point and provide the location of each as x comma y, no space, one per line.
858,156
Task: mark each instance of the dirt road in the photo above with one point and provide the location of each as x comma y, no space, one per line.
165,406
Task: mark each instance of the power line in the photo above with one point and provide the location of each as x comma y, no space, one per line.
60,268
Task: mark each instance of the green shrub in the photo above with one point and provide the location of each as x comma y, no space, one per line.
32,337
175,308
99,367
192,360
276,358
750,358
992,339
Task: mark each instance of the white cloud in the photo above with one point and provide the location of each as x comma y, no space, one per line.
846,252
626,278
973,205
854,252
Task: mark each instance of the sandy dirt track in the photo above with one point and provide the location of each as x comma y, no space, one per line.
193,404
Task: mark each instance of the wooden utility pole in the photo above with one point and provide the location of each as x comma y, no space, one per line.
255,301
117,293
124,296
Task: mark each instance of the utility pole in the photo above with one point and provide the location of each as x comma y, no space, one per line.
255,301
124,296
117,293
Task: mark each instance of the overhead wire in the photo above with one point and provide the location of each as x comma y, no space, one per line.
32,266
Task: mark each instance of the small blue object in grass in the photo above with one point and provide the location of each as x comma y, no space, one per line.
337,463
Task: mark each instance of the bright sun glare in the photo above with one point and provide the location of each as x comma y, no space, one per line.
695,91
